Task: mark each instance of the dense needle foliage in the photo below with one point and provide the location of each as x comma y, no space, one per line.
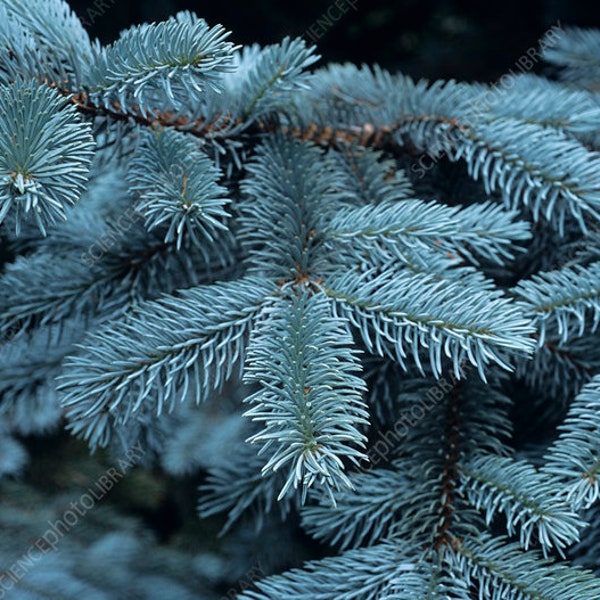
356,302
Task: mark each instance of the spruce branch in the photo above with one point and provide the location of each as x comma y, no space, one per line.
45,155
310,401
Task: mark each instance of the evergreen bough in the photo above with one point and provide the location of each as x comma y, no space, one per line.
400,279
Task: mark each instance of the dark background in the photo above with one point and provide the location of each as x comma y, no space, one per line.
465,40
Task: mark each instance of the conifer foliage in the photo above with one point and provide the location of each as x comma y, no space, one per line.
215,245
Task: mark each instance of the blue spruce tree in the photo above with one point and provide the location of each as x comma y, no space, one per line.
357,302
